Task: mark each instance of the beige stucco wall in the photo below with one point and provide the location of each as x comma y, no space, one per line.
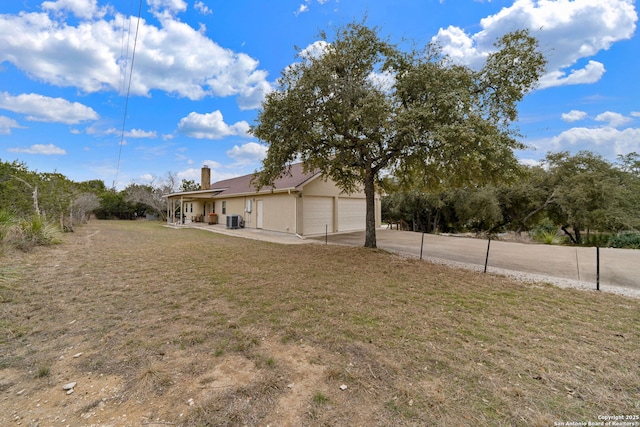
282,212
279,212
234,206
318,187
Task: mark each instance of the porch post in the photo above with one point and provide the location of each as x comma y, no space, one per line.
181,210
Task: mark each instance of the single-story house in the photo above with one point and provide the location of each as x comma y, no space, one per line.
299,203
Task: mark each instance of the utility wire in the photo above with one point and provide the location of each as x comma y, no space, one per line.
124,55
126,105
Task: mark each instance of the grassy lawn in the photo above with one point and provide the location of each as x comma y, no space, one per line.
187,327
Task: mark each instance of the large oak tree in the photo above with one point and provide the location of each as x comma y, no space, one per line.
359,105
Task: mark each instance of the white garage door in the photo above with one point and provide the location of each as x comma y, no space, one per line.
317,215
351,214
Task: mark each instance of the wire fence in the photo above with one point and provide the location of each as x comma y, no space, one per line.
593,267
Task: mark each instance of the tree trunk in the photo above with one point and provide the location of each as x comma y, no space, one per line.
370,221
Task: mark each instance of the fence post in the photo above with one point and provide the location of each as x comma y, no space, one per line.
421,245
486,260
597,268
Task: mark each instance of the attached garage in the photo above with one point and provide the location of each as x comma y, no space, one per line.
299,202
317,214
351,214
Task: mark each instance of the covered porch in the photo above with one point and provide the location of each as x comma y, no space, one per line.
192,207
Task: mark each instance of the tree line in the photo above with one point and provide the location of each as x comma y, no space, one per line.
35,206
577,196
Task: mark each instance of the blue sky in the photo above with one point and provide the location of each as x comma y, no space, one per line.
201,69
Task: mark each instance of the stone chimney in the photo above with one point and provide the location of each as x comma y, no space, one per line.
205,182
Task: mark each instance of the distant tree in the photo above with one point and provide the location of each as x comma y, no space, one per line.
590,194
83,205
189,185
630,163
113,204
152,195
19,189
95,186
524,201
478,209
362,106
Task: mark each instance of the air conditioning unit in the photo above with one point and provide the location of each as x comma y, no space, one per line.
234,221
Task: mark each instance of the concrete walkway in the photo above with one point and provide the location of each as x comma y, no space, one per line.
619,268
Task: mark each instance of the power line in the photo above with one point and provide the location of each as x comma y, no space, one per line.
126,105
124,55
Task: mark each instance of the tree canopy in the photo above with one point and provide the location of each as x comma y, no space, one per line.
362,106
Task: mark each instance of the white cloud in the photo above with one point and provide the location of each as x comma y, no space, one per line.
607,141
170,6
90,56
383,81
211,126
462,48
613,119
202,8
133,133
195,174
84,9
48,149
139,133
314,50
250,152
147,177
529,162
39,108
591,73
6,124
574,116
212,164
568,31
302,9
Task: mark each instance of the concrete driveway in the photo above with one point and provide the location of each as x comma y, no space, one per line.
618,267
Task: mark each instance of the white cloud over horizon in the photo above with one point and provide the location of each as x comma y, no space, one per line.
568,31
612,119
84,9
211,126
574,116
248,153
6,124
43,149
39,108
90,55
608,141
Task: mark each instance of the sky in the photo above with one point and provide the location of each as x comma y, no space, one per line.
90,91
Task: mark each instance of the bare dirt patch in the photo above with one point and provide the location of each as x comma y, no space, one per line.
160,327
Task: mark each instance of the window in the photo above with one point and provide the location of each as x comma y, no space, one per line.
224,208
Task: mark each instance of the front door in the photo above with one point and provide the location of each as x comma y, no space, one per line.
259,214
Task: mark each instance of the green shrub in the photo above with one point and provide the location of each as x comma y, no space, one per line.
7,221
545,232
625,239
36,232
547,237
597,239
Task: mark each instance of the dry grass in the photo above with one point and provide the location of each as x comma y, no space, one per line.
416,344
